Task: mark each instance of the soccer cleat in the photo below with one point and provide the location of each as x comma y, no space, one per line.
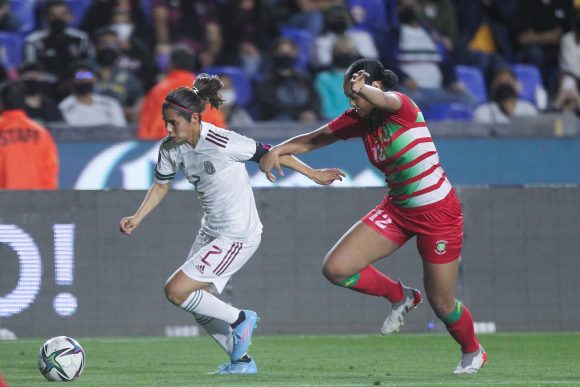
238,367
220,368
472,362
243,335
396,318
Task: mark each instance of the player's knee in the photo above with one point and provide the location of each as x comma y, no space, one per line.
333,273
442,305
173,294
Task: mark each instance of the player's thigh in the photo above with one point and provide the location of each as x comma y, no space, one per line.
358,248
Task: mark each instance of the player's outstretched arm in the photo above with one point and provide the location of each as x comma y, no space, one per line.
323,176
300,144
154,196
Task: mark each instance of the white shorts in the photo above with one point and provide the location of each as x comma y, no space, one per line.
215,260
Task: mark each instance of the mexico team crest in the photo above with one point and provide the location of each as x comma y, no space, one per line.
441,247
209,168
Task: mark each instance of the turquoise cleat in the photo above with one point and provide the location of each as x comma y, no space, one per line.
243,335
238,367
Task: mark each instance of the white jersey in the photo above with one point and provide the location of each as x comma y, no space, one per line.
215,167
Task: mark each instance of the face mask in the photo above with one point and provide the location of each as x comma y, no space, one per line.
107,56
503,92
83,88
229,97
57,27
284,61
408,16
338,26
342,61
33,86
123,30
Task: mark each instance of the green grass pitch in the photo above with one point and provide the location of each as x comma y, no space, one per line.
314,361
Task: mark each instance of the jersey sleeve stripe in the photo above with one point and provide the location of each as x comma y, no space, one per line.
217,135
218,139
164,177
215,142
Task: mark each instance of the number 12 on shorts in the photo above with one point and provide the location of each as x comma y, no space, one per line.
381,219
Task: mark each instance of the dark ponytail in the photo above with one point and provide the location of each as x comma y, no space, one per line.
186,101
376,72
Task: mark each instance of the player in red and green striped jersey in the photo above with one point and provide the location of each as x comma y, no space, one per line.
419,202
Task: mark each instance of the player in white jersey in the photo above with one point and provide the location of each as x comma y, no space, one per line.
212,160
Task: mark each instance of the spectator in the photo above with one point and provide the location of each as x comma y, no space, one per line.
28,154
39,104
100,13
86,108
539,28
135,55
193,23
304,14
285,93
427,77
505,101
115,81
234,114
568,97
484,34
329,83
337,25
151,124
8,22
58,45
440,16
250,27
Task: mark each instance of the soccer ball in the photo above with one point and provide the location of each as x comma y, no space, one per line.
61,359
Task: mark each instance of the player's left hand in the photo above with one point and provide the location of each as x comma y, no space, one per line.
271,161
327,176
357,81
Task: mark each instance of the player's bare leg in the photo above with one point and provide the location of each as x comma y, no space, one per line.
348,264
440,280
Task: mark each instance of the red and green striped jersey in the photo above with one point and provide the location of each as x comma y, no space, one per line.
402,148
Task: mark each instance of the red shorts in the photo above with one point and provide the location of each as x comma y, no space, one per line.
438,227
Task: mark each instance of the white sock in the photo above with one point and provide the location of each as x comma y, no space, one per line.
220,330
206,304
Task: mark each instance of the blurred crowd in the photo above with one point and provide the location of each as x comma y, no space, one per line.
111,62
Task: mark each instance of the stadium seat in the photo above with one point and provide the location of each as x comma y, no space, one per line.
24,11
460,111
530,78
244,93
369,15
304,39
473,79
78,9
436,112
11,49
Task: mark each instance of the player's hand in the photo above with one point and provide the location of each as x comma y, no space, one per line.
129,224
357,81
327,176
271,161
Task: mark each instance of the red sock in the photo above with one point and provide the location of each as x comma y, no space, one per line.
463,332
371,281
